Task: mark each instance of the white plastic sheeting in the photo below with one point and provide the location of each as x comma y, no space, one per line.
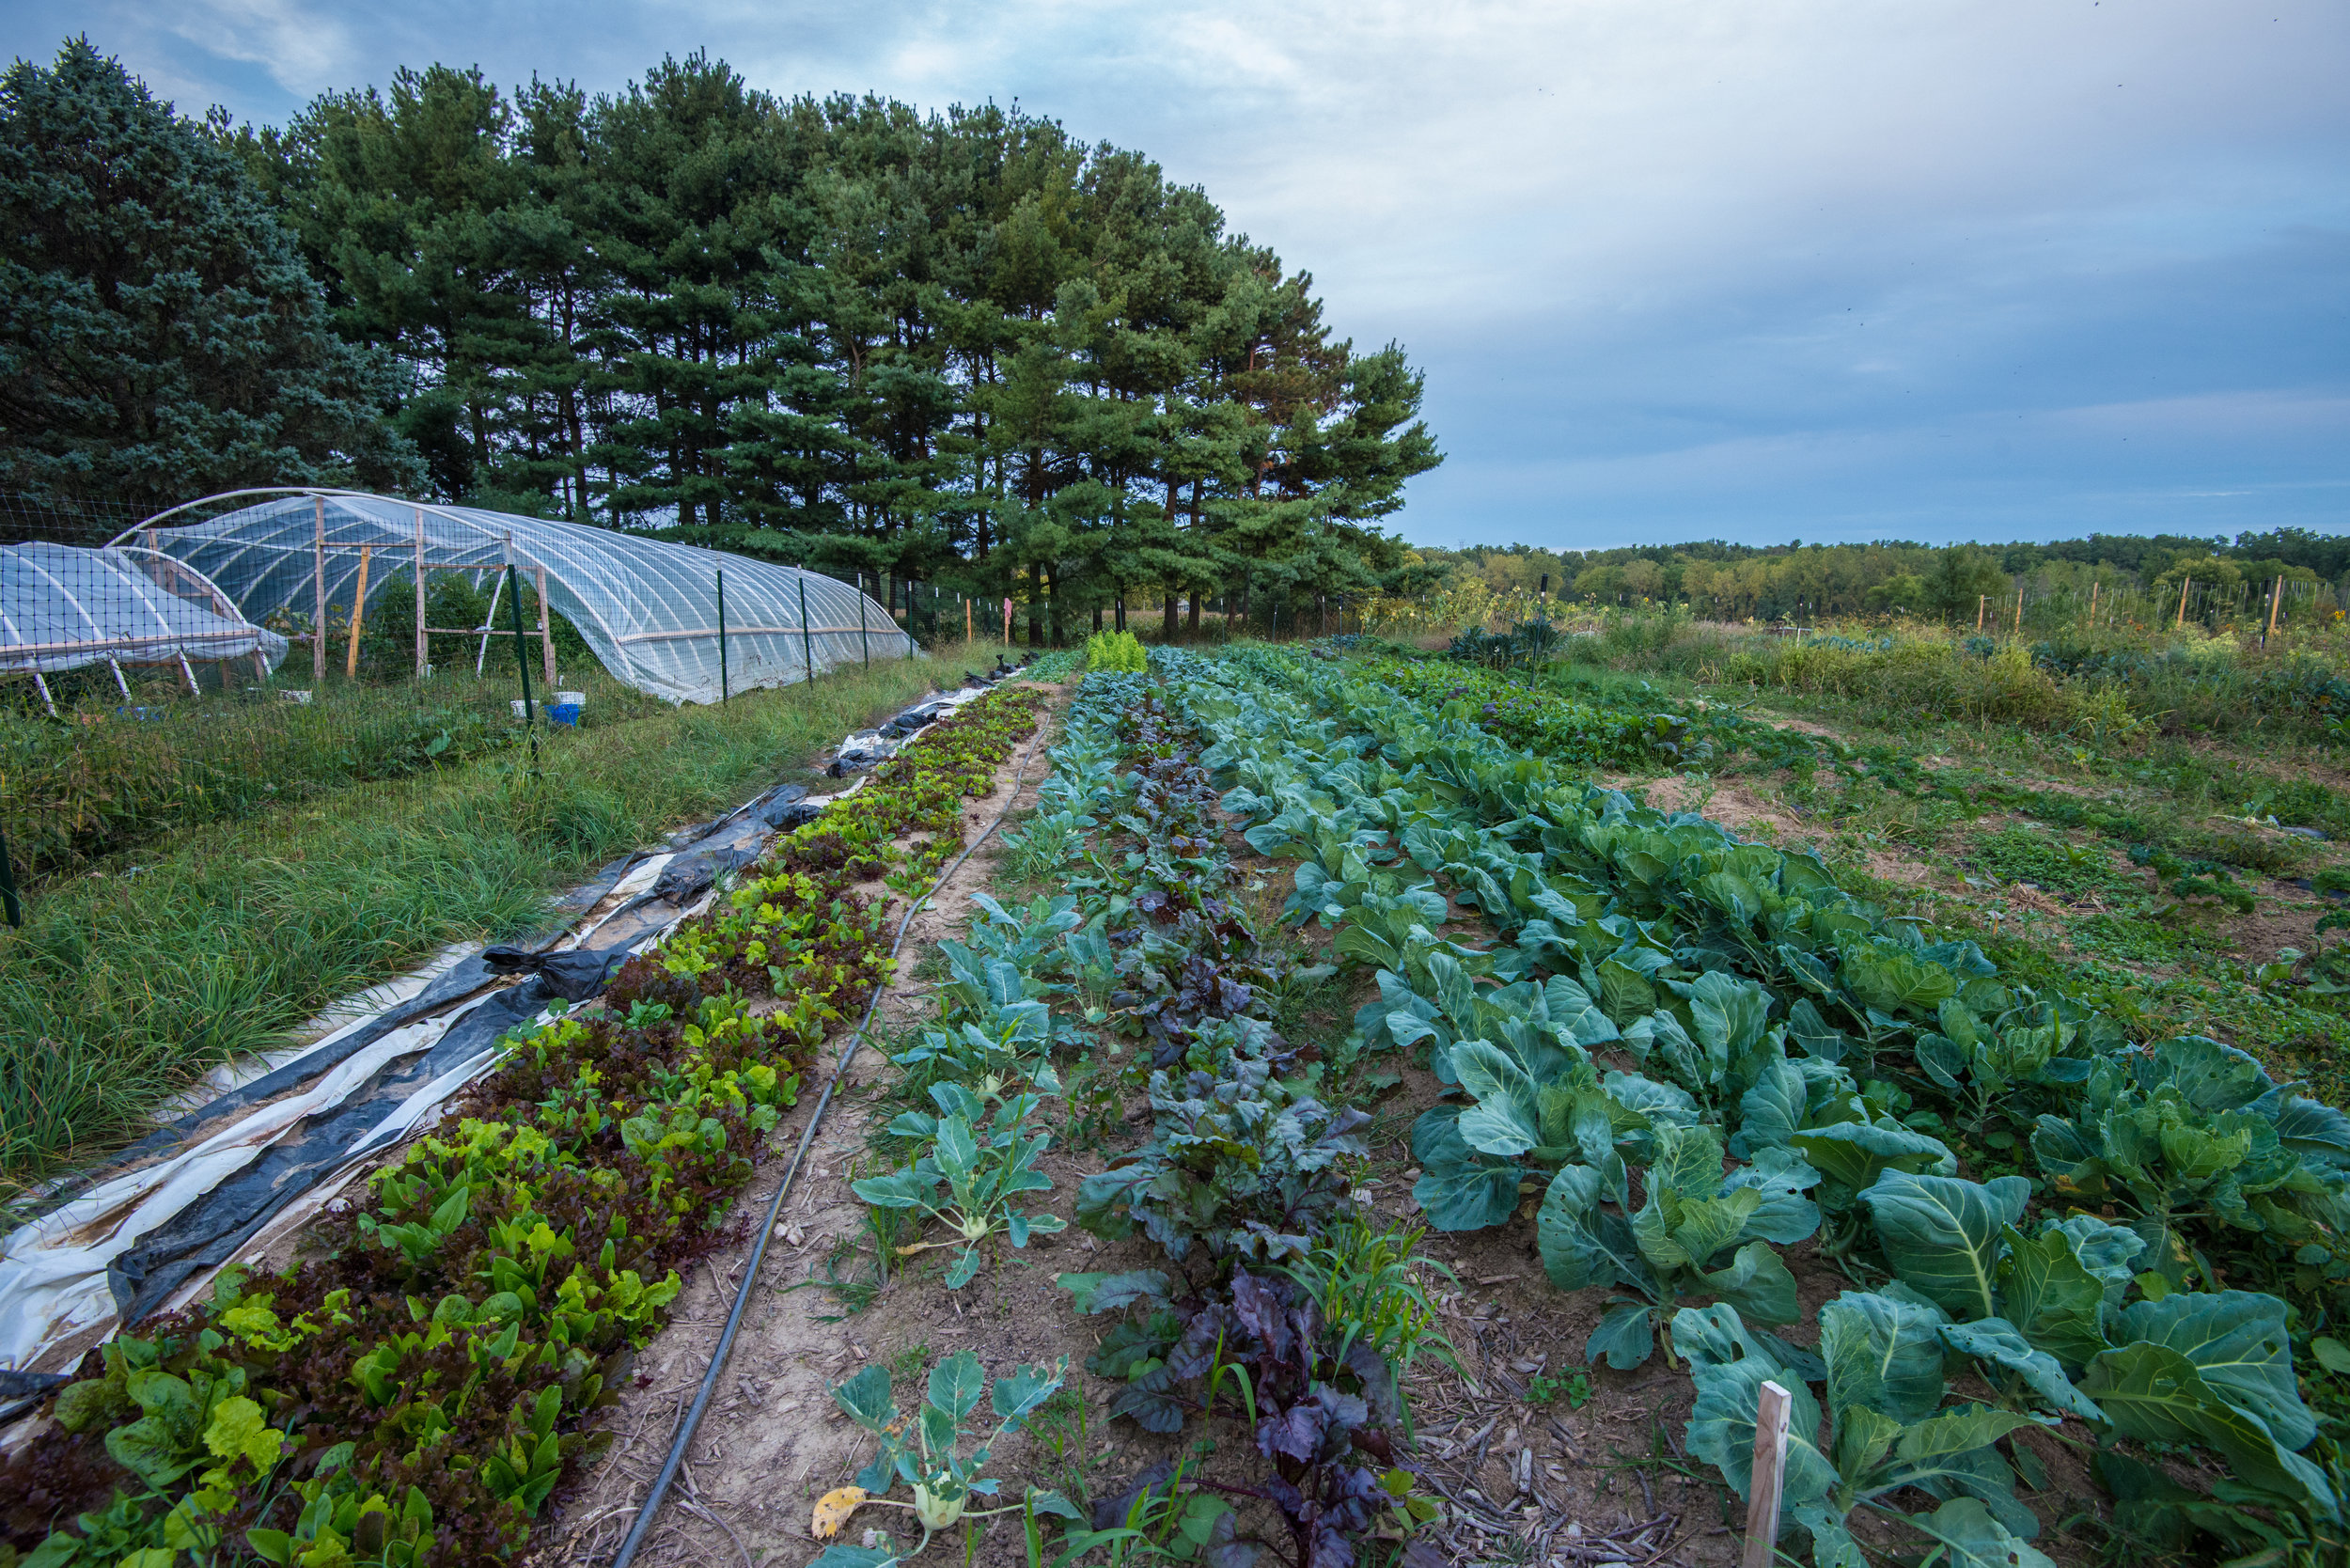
648,608
62,608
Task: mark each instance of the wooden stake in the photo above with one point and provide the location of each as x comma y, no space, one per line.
2185,583
966,620
2092,603
358,613
1982,601
317,623
1770,1471
2020,609
2276,597
422,651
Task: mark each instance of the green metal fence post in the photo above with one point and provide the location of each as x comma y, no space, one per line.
808,645
722,691
521,662
8,886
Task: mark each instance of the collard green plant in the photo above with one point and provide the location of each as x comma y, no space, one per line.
1696,1233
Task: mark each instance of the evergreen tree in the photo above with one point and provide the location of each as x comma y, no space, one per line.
160,335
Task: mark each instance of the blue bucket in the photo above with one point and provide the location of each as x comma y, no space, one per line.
563,713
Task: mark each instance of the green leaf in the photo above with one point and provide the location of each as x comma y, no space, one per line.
1502,1121
1757,1283
1882,1355
1022,1390
1728,1012
2239,1346
1625,1336
957,1151
1785,1215
1891,981
1582,1241
867,1399
853,1556
1109,1293
1997,1344
1942,1235
1976,1539
1459,1188
2154,1394
1853,1154
2051,1298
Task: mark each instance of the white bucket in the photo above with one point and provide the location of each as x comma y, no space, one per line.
577,699
521,710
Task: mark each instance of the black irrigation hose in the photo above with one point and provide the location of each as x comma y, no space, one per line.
651,1504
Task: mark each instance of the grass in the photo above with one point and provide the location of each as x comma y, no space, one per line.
123,988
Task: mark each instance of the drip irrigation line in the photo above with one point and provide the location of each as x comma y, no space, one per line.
651,1505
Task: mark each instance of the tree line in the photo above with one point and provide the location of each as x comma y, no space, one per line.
961,347
1944,582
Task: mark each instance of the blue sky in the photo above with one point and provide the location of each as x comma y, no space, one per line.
1771,269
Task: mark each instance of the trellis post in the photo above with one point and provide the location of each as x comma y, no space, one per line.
522,662
7,879
2185,583
423,649
546,630
318,597
2276,598
807,643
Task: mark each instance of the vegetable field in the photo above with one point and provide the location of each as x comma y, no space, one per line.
1333,1029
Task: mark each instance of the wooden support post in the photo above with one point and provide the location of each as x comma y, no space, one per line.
423,649
1770,1470
2092,603
2276,598
1007,621
2185,583
358,614
2020,609
546,632
318,561
1982,600
966,620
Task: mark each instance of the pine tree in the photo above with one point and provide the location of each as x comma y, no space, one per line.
160,335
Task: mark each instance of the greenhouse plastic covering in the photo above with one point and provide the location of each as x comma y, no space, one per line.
62,608
648,608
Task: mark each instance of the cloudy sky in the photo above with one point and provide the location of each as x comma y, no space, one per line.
1746,269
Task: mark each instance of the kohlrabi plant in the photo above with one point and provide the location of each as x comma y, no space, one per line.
924,1448
983,1163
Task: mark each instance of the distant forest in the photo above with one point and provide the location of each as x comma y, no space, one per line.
1741,580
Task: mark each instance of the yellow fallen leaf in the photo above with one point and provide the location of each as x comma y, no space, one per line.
833,1510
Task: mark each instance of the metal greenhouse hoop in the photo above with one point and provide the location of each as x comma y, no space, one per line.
648,608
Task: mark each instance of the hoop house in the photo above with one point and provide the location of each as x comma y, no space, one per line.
63,607
649,609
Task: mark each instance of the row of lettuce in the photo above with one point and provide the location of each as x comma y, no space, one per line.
414,1389
1149,978
1804,1074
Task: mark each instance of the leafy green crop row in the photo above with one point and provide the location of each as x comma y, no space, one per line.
1152,978
1810,1071
414,1390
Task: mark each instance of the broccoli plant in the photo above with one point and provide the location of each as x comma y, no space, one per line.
923,1449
